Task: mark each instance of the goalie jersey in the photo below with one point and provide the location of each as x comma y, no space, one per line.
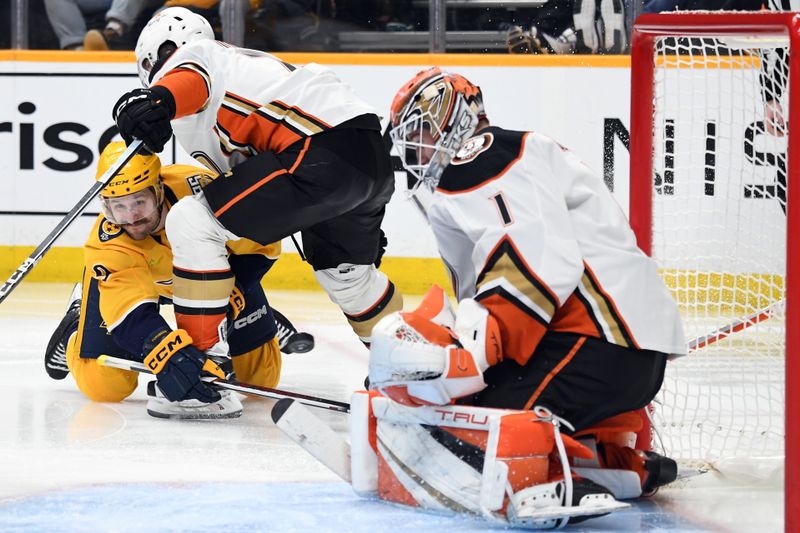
232,103
529,231
131,273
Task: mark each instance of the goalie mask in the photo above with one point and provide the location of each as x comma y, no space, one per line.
136,192
176,25
431,117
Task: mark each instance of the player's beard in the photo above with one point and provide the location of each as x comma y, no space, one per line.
144,227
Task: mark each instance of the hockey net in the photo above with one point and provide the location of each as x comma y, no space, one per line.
711,176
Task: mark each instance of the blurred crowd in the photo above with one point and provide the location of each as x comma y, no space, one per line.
275,25
519,27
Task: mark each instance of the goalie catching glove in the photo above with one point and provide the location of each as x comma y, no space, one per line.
430,356
146,114
178,366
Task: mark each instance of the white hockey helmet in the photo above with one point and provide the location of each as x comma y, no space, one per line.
432,115
177,25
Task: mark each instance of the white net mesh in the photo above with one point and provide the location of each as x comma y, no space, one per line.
719,233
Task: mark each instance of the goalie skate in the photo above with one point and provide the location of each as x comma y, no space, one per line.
542,506
159,407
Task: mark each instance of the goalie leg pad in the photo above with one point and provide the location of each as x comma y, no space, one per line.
494,463
363,444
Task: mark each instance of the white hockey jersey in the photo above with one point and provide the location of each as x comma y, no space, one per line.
255,102
534,235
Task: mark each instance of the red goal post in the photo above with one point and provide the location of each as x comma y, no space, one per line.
644,175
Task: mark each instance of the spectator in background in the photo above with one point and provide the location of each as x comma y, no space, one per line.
573,26
68,18
550,31
105,39
278,25
201,7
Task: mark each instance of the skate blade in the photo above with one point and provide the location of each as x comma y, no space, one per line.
193,416
556,512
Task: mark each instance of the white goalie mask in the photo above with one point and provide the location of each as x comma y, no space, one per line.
432,116
177,25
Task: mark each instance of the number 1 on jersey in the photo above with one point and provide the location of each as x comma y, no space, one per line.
502,209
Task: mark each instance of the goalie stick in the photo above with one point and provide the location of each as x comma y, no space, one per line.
313,435
736,326
238,386
27,265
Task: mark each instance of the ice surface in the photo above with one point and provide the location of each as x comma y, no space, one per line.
68,464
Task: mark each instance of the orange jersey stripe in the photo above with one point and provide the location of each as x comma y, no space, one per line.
188,88
303,113
574,317
261,182
254,130
520,332
552,373
296,164
247,191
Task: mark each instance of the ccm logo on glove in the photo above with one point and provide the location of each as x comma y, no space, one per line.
170,344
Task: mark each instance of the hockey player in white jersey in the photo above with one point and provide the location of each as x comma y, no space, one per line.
558,308
297,151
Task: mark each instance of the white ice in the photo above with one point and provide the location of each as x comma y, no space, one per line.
68,464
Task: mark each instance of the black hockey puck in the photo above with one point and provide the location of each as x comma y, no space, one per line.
280,407
299,343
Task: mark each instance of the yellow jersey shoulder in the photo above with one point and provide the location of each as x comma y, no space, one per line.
184,180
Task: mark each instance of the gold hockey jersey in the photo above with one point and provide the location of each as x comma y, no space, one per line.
130,272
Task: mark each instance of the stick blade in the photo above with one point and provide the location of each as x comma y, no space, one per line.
316,437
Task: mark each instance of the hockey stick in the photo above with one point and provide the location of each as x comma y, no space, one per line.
736,326
48,241
313,435
244,388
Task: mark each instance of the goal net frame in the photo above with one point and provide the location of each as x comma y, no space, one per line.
647,29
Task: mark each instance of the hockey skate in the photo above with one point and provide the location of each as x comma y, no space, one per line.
289,339
661,471
55,355
544,506
159,406
626,472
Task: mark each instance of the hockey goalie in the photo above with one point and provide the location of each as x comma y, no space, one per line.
522,404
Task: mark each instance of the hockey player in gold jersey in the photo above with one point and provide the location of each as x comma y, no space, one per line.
128,273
